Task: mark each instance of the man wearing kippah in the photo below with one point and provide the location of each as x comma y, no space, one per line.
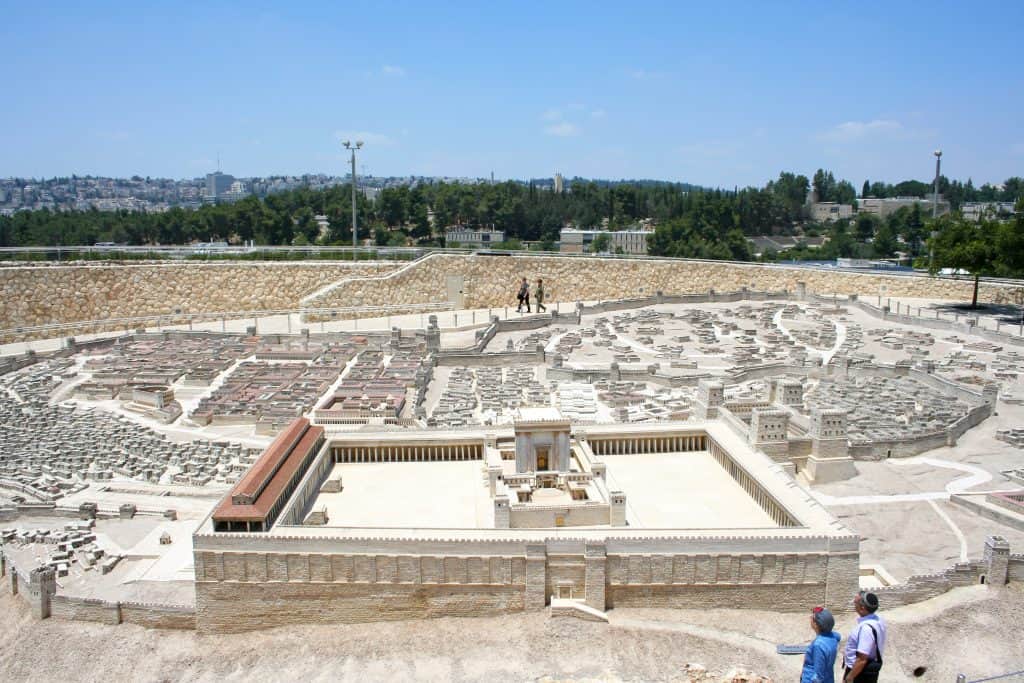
862,659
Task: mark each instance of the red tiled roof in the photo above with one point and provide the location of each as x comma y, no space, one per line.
279,462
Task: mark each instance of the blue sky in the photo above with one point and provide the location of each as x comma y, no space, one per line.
712,93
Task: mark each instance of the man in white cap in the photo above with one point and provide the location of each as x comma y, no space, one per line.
862,659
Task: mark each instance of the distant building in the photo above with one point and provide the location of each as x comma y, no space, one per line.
237,190
760,244
574,241
217,184
473,237
884,207
973,211
828,212
559,183
323,224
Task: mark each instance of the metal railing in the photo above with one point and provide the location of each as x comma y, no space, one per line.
961,678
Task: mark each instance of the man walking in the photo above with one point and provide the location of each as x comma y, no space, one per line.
523,296
538,295
862,659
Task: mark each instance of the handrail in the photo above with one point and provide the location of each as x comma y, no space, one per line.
963,679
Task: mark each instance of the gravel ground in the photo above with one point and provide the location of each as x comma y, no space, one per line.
974,630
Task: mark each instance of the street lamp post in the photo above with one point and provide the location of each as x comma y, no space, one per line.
348,145
935,210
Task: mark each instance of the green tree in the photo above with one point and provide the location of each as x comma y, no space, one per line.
884,244
965,246
601,243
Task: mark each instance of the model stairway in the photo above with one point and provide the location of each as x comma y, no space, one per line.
566,607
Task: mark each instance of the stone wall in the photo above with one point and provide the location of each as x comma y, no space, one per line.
491,281
237,607
33,295
261,584
158,616
85,609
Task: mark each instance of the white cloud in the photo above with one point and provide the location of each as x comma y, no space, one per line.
392,70
598,114
369,138
564,129
552,115
850,131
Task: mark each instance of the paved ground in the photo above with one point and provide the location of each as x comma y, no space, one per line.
682,490
973,630
410,494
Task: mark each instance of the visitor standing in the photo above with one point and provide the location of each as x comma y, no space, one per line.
538,295
523,296
863,656
820,657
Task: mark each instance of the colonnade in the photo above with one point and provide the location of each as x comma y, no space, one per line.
751,486
407,453
626,445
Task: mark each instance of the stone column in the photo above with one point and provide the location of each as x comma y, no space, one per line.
596,559
536,576
997,560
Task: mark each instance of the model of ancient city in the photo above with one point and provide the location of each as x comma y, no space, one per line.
656,451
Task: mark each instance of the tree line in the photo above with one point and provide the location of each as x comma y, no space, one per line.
691,221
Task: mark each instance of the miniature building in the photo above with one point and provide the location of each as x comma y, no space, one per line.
829,459
769,431
256,500
542,440
788,392
710,395
330,556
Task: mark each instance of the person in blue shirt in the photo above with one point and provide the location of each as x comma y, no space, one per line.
820,657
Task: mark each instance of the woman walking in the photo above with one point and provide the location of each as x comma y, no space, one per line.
538,295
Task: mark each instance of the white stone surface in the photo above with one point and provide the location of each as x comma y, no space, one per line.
410,494
682,490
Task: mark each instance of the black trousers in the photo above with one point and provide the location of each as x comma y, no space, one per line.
864,677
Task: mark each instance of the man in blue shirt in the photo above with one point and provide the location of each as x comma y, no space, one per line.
820,657
862,659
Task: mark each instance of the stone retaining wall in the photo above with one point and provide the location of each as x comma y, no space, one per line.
34,295
492,281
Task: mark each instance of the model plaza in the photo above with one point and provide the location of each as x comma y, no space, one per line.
537,476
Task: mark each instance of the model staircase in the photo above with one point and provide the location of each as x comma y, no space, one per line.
567,607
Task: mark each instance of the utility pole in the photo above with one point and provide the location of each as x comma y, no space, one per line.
935,210
348,145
